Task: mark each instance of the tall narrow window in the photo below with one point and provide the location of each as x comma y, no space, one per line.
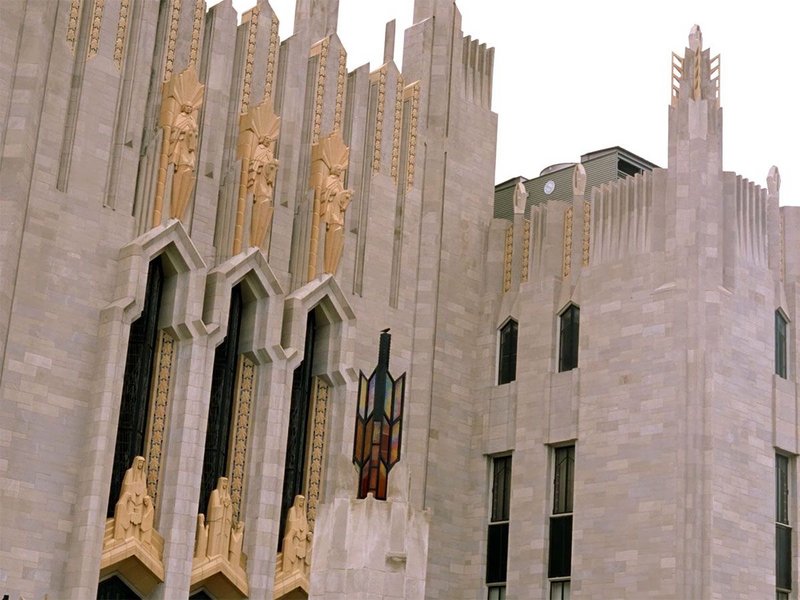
507,364
136,383
783,529
296,442
569,323
559,567
780,344
221,405
497,542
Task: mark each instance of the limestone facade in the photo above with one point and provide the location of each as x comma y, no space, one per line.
113,155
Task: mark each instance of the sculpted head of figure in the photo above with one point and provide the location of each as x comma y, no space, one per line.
336,170
187,108
301,501
138,463
223,483
264,140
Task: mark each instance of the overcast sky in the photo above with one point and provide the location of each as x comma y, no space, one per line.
576,76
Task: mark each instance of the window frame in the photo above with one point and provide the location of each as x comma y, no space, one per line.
781,344
783,525
499,516
569,337
507,371
561,513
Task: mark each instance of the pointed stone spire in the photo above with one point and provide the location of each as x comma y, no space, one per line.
318,17
695,38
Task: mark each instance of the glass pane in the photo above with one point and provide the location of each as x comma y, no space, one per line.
501,488
563,479
497,593
114,589
497,553
782,489
560,563
783,557
559,590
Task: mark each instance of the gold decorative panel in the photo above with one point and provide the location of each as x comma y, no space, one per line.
72,23
320,48
158,417
378,146
526,249
172,38
272,56
508,255
341,79
241,429
567,242
197,27
587,231
252,30
412,92
94,30
398,124
320,412
122,32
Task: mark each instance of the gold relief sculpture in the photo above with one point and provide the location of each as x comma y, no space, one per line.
412,91
122,30
72,23
696,45
398,124
182,97
252,30
197,27
329,160
172,38
567,242
341,77
131,545
241,430
526,249
587,231
219,563
317,449
258,135
271,57
320,48
377,148
94,30
158,420
507,257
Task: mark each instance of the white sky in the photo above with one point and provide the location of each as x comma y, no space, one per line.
573,76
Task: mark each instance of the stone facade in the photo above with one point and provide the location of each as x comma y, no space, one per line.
675,409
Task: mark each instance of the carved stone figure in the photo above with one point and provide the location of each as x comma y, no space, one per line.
182,98
297,539
773,181
235,550
334,203
201,538
579,180
133,513
520,198
220,519
329,161
258,134
695,38
262,171
182,148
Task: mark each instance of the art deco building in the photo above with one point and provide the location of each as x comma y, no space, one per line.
588,388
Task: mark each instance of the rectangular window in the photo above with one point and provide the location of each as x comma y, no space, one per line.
780,344
569,324
497,538
559,567
783,529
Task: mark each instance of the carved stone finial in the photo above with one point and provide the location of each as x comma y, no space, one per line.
330,158
578,180
520,198
695,38
297,539
774,181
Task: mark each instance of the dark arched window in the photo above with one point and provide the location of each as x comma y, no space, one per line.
296,442
569,325
136,383
507,360
220,407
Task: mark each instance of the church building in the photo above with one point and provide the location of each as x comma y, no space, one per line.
269,330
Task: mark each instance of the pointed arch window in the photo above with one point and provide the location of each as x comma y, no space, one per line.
137,382
569,326
507,356
220,408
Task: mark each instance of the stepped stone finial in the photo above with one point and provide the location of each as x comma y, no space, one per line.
579,180
520,198
695,38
